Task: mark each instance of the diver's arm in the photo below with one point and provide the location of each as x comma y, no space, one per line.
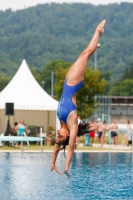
70,153
54,157
71,146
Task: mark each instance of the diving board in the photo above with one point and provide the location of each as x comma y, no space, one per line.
22,139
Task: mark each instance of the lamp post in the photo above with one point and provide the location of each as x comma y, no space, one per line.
98,45
95,97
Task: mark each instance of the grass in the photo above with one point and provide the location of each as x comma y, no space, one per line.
32,147
51,147
106,139
36,147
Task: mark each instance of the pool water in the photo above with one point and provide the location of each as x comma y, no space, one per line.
95,176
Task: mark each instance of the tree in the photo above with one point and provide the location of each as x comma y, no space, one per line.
107,75
52,66
124,88
44,75
86,103
49,32
37,74
3,81
128,73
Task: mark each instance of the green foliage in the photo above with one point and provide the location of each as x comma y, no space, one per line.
128,73
60,77
3,81
124,88
107,75
37,75
49,32
46,73
86,103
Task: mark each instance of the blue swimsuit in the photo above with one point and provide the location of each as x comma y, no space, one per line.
66,105
21,130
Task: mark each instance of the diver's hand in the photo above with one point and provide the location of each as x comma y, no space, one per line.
67,173
53,167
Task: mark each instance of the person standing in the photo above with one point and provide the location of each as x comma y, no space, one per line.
20,128
99,131
14,131
129,133
92,133
113,126
103,134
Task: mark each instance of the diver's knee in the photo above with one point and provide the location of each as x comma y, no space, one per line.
87,52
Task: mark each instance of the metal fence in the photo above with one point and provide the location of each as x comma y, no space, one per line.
104,110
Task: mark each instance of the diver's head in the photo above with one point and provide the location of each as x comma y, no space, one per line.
63,134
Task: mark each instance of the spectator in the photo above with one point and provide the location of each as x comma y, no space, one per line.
103,134
92,133
129,133
13,130
100,131
20,128
113,126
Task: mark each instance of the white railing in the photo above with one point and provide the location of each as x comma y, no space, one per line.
24,134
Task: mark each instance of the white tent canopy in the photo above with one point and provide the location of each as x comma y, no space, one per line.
25,92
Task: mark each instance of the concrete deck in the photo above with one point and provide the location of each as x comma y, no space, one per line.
95,148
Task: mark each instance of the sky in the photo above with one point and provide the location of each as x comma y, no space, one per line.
21,4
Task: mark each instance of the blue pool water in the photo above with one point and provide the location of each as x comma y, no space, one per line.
95,176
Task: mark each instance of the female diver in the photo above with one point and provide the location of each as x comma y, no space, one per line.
67,111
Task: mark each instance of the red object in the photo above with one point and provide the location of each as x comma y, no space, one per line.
92,134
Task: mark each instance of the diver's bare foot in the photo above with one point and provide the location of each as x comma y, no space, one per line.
100,27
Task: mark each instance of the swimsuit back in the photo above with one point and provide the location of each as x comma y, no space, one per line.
66,105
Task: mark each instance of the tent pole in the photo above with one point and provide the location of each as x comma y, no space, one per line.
48,122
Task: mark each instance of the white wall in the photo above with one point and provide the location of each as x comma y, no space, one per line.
34,118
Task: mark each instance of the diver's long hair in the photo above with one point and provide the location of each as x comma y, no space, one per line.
83,127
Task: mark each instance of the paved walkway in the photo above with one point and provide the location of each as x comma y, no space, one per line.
94,148
113,148
119,146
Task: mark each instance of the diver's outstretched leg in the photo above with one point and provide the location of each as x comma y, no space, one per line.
76,72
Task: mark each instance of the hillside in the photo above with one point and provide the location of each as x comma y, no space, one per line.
61,31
